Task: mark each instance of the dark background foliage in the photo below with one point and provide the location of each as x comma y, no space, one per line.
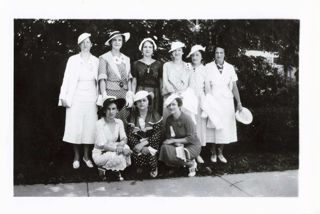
41,50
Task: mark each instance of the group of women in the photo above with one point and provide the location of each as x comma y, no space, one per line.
149,111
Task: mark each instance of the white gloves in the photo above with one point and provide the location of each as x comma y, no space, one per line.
129,99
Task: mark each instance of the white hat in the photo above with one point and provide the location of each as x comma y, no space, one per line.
83,37
170,99
142,94
117,33
176,45
150,40
196,48
244,116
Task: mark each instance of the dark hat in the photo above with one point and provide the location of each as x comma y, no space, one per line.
120,103
117,33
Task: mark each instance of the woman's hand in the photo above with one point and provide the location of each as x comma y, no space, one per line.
169,141
239,106
137,148
145,150
177,144
127,151
119,150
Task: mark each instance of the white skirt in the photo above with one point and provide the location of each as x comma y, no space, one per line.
228,133
80,123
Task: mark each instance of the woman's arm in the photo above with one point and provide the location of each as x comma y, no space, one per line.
236,95
134,84
167,87
102,77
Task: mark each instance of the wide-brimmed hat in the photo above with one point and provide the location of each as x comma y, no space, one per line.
148,40
83,36
117,33
196,48
171,98
142,94
176,45
244,116
120,103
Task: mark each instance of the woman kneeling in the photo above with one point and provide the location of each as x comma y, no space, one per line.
111,151
182,145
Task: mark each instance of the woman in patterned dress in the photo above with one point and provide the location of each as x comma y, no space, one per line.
198,85
144,133
78,95
180,134
147,73
111,151
114,72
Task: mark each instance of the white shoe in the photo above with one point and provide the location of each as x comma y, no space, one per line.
213,158
76,164
193,169
199,159
88,163
222,159
120,177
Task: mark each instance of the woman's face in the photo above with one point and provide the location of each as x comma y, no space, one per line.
173,107
116,42
147,49
219,55
196,58
177,54
143,103
111,111
85,45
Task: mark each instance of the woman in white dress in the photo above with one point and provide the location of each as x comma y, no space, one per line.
198,85
78,94
221,84
176,74
111,151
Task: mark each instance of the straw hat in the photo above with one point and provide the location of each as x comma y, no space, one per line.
83,36
176,45
149,40
171,98
142,94
196,48
244,116
117,33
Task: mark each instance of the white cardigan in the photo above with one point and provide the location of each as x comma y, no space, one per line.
71,77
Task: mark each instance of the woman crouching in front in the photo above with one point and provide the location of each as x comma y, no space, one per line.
111,151
182,145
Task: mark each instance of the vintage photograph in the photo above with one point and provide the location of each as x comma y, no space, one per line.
156,107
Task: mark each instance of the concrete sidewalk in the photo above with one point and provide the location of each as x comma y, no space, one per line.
266,184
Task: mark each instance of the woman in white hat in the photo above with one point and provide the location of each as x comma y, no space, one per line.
147,73
111,151
114,71
78,95
198,85
180,134
176,73
144,133
221,83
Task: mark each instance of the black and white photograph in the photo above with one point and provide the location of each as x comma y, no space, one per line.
154,107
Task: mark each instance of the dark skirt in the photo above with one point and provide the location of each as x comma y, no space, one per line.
145,161
168,154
